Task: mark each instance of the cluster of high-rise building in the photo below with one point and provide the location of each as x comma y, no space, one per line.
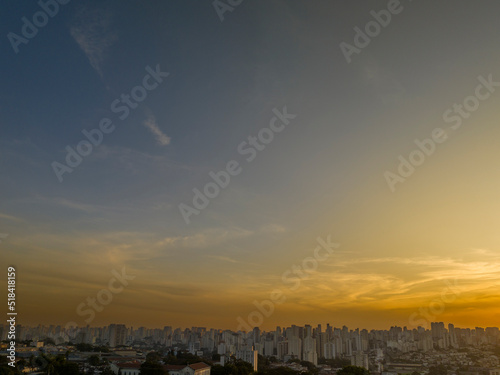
305,343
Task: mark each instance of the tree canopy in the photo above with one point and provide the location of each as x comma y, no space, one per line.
353,370
152,368
238,367
438,370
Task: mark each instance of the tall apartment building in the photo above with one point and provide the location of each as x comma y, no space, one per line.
117,334
310,353
360,359
282,349
438,330
295,347
329,350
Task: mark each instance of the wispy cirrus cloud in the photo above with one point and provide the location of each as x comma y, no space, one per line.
206,238
223,258
3,236
9,217
152,125
91,31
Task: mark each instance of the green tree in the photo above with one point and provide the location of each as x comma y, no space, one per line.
230,369
242,367
182,358
94,360
262,363
151,368
31,361
5,369
438,370
101,348
170,359
48,363
67,368
311,369
84,347
107,371
48,341
217,370
353,370
279,371
153,357
335,362
9,370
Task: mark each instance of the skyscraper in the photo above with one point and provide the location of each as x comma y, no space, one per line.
117,334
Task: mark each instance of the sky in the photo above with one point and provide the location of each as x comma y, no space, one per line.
172,91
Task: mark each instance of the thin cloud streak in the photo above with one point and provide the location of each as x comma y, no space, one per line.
151,124
10,217
91,32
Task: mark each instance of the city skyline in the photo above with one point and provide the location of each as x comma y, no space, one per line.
303,343
323,327
305,350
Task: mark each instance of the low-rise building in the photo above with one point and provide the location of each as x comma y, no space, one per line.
198,368
126,368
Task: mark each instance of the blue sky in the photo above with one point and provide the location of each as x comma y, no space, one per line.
323,175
